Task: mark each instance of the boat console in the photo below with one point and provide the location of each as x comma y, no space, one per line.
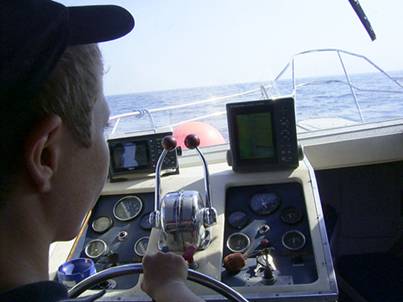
256,226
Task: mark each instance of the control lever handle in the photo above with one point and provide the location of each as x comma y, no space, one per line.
168,143
192,141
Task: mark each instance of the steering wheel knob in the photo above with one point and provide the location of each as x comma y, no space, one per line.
192,141
168,143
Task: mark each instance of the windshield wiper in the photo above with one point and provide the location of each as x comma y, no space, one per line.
363,18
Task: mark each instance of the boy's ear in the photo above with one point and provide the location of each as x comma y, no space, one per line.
42,152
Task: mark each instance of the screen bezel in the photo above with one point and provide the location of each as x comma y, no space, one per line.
235,109
143,142
153,142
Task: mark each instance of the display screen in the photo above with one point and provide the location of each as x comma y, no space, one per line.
255,135
129,155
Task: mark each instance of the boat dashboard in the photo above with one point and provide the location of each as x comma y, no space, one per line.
265,238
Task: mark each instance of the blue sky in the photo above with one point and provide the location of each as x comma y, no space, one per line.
189,43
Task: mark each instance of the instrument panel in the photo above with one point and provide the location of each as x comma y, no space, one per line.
117,233
275,216
251,210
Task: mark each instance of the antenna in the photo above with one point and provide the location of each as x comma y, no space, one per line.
363,18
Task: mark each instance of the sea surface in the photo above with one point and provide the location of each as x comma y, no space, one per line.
378,98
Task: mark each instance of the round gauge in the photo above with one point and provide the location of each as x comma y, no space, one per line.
238,242
145,222
140,247
264,203
238,219
102,224
127,208
293,240
96,248
291,215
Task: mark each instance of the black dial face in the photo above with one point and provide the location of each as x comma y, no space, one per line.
264,203
238,242
291,215
293,240
96,248
238,219
145,222
140,247
102,224
127,208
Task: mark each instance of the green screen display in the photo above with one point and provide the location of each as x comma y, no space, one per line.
255,134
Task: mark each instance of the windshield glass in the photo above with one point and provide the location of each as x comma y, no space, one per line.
186,59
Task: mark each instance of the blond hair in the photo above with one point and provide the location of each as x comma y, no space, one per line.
70,92
72,89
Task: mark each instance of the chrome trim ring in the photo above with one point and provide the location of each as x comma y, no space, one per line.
100,231
290,247
132,216
241,250
92,256
140,254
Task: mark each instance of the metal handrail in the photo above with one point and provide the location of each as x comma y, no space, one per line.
334,50
348,80
201,102
262,88
141,112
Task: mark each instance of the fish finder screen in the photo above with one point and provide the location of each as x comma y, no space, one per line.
129,155
255,135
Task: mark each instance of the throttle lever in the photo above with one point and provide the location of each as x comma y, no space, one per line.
192,141
168,143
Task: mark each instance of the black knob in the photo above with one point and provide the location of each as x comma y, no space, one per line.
192,141
168,143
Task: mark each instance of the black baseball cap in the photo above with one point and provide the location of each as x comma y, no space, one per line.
35,33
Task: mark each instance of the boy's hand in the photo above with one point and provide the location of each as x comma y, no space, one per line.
163,272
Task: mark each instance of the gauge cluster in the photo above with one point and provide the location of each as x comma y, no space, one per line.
117,233
274,216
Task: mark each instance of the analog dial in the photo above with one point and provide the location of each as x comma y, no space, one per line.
293,240
127,208
238,219
291,215
264,203
238,242
102,224
96,248
145,222
140,247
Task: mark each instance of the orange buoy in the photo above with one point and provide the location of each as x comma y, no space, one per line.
208,134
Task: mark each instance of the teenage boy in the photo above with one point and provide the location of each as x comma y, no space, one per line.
53,155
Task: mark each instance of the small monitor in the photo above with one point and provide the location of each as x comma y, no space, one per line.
138,155
262,135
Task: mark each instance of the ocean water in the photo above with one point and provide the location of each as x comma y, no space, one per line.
379,99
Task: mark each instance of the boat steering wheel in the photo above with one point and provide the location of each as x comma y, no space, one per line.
137,268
